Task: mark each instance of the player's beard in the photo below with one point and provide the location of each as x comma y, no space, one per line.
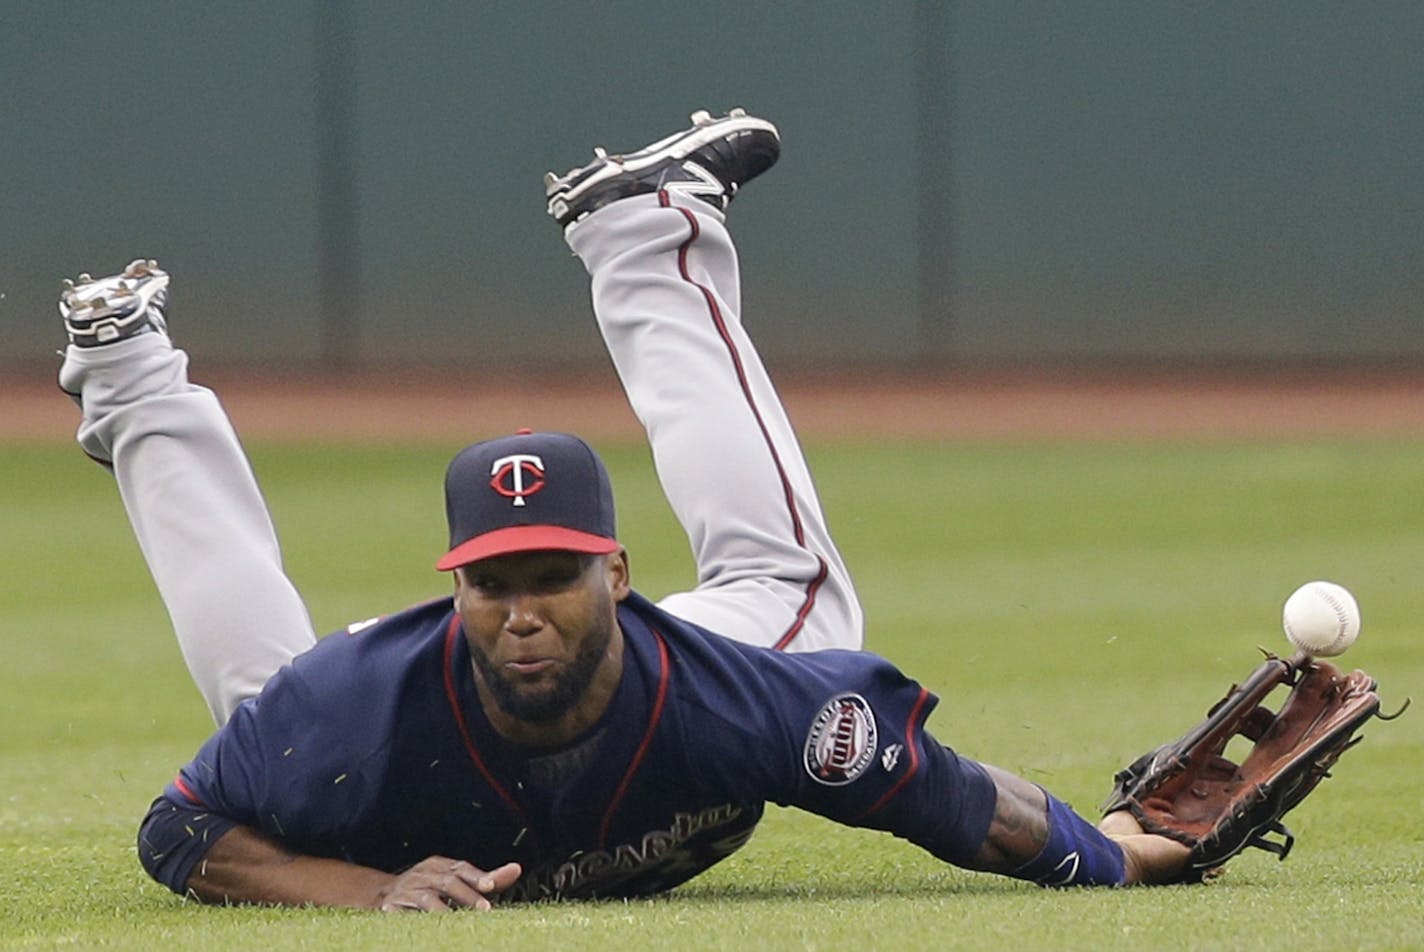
569,687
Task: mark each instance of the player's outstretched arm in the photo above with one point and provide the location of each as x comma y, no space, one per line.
1029,828
246,866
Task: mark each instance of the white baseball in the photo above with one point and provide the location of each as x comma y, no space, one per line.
1321,619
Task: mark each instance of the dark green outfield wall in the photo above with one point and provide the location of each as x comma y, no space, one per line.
980,180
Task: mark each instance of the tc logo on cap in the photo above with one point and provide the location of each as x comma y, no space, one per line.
507,476
574,511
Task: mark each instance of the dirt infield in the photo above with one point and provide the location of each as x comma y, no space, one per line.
1025,404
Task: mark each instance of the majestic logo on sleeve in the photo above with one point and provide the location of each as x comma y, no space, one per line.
891,757
517,476
842,741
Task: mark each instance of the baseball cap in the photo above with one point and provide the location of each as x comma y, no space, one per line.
525,493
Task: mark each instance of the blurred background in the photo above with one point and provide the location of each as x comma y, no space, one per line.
349,182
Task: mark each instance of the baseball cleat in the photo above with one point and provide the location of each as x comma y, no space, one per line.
711,161
98,312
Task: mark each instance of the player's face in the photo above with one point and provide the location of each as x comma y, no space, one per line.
541,630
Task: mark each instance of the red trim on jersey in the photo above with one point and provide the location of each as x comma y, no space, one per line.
451,634
715,312
911,744
637,761
187,791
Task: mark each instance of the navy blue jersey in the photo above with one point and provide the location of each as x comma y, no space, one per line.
373,747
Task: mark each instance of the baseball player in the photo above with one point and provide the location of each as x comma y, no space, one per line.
546,732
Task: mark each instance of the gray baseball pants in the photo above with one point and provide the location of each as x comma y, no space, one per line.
666,294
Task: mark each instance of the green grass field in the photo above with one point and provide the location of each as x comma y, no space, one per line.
1072,604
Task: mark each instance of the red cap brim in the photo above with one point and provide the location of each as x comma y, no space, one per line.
524,539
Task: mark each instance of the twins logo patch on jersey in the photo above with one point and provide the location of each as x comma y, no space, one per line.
842,741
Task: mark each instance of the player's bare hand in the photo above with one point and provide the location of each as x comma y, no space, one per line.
438,884
1149,858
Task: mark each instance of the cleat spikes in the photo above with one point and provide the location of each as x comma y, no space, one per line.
549,179
709,161
114,308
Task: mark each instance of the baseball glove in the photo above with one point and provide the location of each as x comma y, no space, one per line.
1189,791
